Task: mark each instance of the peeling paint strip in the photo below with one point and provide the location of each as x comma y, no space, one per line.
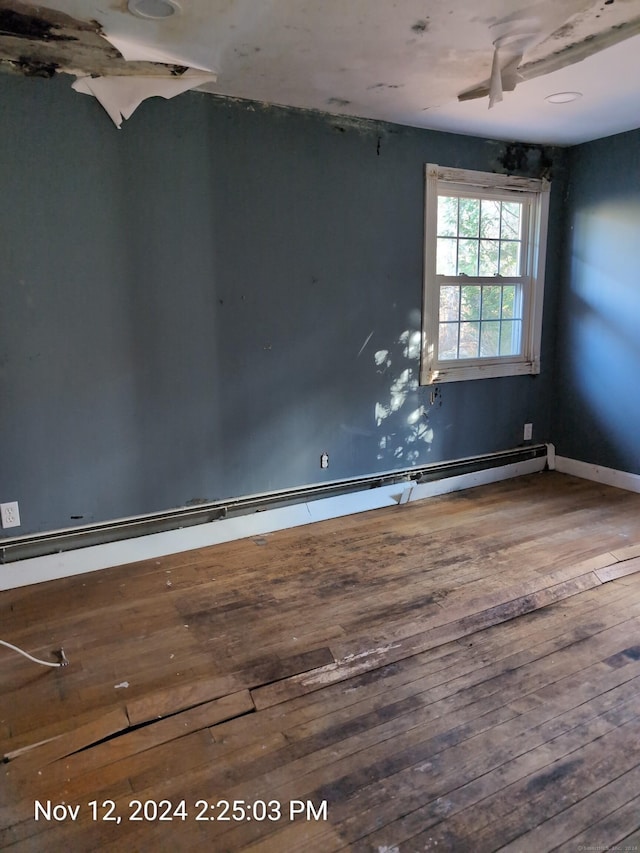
121,96
135,51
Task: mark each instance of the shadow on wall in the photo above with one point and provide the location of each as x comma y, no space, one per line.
404,434
603,348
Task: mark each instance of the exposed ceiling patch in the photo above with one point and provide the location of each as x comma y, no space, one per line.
53,40
33,68
25,25
39,45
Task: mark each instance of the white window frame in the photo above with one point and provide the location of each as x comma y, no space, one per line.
535,193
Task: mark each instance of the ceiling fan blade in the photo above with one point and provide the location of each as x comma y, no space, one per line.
514,72
509,76
574,53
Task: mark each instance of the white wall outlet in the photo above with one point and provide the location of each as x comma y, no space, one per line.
10,514
324,460
528,432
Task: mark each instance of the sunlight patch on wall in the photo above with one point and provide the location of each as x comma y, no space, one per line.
401,417
411,341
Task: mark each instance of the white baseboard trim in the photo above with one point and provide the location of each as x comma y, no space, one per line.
67,563
598,473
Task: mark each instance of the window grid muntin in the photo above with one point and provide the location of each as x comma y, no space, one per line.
504,197
516,320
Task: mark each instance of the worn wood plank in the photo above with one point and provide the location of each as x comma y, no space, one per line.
610,830
367,755
376,656
21,832
482,800
312,837
83,736
619,569
628,552
130,743
164,702
389,748
455,664
193,749
487,666
563,826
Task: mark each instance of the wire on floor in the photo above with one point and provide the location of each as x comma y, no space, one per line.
60,652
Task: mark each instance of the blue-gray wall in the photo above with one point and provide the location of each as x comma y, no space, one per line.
598,390
198,305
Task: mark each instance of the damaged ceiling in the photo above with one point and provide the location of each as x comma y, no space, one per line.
482,68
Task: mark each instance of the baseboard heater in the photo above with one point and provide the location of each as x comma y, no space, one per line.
20,548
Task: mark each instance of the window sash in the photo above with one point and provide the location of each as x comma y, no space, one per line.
503,320
523,200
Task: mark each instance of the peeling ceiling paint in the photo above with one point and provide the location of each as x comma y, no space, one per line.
408,61
37,41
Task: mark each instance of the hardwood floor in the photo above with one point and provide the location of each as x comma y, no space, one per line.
456,674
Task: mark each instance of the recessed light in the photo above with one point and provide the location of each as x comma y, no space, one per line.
154,10
563,97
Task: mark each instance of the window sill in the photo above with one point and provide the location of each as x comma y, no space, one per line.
459,373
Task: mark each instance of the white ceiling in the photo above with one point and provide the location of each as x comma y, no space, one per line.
404,61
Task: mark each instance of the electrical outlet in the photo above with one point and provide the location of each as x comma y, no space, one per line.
324,460
10,514
528,432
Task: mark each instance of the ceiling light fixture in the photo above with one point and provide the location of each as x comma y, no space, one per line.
154,10
563,97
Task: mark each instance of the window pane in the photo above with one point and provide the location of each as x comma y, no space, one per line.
447,216
490,339
510,339
489,218
491,302
469,340
488,257
511,216
508,301
470,305
467,257
448,341
449,302
469,217
509,258
446,256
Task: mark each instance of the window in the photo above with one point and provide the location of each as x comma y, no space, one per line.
485,239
